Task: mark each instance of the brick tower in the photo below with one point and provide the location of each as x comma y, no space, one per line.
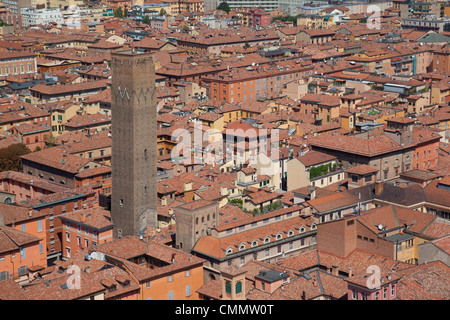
134,172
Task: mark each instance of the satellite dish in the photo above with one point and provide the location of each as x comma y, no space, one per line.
380,227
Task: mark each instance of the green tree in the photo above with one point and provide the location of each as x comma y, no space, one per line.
10,157
286,18
118,13
224,7
146,20
162,12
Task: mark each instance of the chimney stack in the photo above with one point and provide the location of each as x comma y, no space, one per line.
312,193
379,188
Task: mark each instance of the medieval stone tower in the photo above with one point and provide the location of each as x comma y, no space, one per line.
134,172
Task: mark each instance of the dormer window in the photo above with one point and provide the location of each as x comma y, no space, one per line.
302,229
229,251
267,239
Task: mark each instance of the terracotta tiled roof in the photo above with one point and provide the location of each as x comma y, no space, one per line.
12,239
69,88
86,120
97,218
57,158
333,201
368,147
361,169
45,185
10,290
425,282
391,217
13,214
130,247
312,158
57,289
216,247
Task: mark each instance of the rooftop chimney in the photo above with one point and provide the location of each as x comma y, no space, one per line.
379,188
312,193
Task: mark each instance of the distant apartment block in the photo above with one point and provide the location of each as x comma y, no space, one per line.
429,23
33,16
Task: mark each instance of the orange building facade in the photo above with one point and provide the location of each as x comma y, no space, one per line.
85,228
246,84
426,155
24,251
178,285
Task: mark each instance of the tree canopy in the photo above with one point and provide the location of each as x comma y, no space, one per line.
118,13
146,20
224,7
286,19
10,157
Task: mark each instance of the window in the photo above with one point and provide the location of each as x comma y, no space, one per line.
67,236
4,276
169,278
188,290
377,295
355,294
22,271
392,290
187,273
23,228
23,253
228,287
385,293
238,287
147,285
171,295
